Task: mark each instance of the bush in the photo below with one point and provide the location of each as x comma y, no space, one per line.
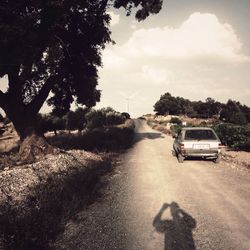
105,139
175,120
49,122
126,115
95,119
104,117
114,118
234,136
176,129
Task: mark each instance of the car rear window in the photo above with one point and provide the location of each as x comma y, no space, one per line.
200,135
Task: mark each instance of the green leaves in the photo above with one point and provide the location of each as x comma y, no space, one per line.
146,7
234,136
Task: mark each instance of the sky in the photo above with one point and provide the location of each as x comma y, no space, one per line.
193,48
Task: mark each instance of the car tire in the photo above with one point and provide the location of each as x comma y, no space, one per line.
180,158
218,159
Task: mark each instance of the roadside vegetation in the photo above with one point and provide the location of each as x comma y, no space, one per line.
231,112
231,121
87,129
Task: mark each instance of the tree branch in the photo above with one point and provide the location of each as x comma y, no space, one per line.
35,105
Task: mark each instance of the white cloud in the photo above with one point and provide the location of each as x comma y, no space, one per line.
133,25
201,36
115,18
156,76
112,60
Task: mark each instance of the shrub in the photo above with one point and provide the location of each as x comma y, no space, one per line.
176,129
49,122
95,119
104,117
126,115
175,120
114,118
104,139
234,136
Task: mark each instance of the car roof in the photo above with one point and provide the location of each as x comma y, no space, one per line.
196,128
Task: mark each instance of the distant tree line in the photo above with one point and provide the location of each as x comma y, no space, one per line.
80,119
232,111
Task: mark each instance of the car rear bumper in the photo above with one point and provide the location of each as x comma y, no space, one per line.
201,153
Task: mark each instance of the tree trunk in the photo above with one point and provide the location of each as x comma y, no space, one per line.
23,115
34,147
33,144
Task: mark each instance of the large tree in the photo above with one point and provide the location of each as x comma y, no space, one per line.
54,46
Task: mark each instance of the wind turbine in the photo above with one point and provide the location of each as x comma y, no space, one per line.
128,98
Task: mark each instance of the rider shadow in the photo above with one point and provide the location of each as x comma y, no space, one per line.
178,230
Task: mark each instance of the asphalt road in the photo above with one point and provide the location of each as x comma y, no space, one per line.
153,202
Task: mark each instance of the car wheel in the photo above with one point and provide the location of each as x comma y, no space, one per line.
218,159
180,158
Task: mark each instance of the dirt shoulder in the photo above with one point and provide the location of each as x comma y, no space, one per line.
35,199
236,159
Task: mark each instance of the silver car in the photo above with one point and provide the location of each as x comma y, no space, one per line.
197,142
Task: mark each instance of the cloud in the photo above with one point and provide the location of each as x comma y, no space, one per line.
157,76
201,36
133,25
115,18
112,60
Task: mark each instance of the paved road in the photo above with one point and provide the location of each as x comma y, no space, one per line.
153,202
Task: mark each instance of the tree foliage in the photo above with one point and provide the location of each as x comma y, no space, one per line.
232,111
104,117
80,119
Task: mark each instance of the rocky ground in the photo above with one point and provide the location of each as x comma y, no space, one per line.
236,159
35,199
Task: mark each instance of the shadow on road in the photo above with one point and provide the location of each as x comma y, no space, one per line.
141,136
178,230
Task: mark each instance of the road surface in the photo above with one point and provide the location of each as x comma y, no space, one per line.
153,202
